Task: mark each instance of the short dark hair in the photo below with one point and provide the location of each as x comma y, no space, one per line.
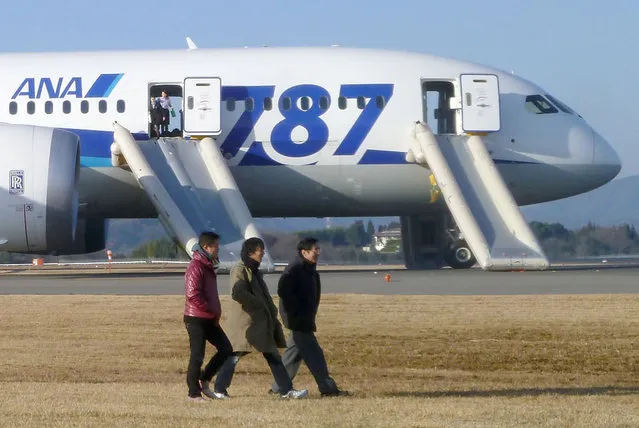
208,238
251,245
306,244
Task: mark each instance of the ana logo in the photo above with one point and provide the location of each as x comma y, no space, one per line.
16,182
46,87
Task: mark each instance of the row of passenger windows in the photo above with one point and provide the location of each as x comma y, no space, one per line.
303,103
120,107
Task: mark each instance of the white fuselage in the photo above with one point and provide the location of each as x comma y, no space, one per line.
306,131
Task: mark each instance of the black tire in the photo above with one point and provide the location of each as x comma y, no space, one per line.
460,256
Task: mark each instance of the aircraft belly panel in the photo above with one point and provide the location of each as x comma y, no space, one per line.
328,191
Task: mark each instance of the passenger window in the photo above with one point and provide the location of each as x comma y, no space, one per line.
121,106
305,103
361,102
380,101
323,103
84,106
230,104
13,107
48,107
268,103
286,103
66,107
249,104
539,105
31,107
102,106
341,103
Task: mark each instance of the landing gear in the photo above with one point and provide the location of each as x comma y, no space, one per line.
432,240
423,240
459,256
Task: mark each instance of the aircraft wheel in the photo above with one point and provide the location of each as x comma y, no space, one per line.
460,256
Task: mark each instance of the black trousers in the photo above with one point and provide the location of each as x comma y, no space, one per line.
200,331
303,346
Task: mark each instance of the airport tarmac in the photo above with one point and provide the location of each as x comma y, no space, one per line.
577,280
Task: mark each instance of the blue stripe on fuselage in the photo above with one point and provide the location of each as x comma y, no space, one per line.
96,152
103,86
93,162
95,146
376,157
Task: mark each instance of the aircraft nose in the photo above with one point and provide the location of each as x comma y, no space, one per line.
605,157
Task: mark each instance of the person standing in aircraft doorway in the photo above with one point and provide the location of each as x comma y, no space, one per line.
164,102
299,289
155,117
252,323
202,312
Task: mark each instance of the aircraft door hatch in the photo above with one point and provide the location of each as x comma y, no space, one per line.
480,103
165,123
202,105
441,109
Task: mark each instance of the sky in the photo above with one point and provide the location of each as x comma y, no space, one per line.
585,53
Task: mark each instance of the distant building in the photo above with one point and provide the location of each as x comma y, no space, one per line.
381,239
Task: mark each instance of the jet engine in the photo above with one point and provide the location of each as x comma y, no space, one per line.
39,170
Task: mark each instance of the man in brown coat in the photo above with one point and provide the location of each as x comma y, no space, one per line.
252,323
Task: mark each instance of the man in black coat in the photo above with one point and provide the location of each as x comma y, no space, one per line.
299,289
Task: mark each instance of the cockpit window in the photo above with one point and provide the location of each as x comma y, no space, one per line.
539,105
563,107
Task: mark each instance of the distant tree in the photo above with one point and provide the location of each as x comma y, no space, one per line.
339,237
590,227
389,226
631,232
589,246
352,236
394,225
392,246
549,230
8,257
356,235
370,230
159,249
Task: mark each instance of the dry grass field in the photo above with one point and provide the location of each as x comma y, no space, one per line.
408,360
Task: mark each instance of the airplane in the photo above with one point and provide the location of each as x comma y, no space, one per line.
302,132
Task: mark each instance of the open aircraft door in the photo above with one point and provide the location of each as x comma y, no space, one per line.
202,104
477,197
480,103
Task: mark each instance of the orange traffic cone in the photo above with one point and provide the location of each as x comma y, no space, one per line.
387,277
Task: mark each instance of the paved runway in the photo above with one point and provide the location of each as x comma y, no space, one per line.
434,282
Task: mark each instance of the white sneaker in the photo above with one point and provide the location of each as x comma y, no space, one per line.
221,395
196,399
295,394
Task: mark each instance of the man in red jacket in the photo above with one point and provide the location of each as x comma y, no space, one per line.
202,311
